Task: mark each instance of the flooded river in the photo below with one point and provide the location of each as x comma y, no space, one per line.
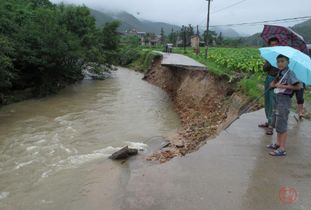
53,151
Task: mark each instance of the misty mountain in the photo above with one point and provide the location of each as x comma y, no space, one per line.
227,32
129,21
254,40
304,29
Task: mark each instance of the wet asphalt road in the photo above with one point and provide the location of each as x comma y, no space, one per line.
233,171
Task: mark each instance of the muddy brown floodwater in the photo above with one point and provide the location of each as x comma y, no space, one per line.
53,151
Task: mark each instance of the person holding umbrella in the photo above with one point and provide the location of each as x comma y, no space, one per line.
284,85
288,37
269,97
294,66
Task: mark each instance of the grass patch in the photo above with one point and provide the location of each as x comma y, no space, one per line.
145,58
252,87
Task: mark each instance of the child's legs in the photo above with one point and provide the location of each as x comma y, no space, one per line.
281,119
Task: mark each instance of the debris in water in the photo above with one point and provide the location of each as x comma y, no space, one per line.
124,153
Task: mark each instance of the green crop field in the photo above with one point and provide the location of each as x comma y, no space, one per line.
238,59
223,61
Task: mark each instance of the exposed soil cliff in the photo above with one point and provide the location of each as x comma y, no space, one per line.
204,103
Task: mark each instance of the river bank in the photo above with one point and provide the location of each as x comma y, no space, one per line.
205,104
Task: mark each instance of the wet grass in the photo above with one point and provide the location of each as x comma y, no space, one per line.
145,58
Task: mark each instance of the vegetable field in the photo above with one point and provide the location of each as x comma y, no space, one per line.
244,60
238,59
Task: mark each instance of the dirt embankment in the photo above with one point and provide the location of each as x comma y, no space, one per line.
204,103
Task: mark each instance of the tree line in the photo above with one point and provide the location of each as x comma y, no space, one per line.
183,37
44,46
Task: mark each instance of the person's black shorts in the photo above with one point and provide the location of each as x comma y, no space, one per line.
299,96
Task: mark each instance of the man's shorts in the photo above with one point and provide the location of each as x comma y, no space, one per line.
281,112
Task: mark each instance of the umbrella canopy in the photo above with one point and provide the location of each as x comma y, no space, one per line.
299,62
286,37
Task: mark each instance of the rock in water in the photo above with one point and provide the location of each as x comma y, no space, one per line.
123,153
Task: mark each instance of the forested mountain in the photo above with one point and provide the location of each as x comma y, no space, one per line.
304,29
226,32
129,21
254,40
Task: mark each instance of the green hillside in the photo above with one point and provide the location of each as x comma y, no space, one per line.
304,29
254,40
101,18
129,21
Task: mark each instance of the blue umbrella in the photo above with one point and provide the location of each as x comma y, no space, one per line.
299,62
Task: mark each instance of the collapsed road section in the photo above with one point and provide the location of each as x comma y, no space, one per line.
205,103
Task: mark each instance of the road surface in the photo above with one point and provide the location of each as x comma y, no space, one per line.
181,61
233,171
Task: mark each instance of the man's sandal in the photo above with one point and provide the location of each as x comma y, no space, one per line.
273,146
278,153
264,125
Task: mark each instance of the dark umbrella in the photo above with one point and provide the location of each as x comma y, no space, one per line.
286,37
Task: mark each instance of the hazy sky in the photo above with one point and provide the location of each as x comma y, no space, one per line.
194,11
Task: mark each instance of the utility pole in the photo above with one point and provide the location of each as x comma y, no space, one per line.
207,27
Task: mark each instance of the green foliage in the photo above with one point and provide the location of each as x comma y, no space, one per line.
6,64
128,55
185,35
137,58
237,59
232,42
251,87
44,46
212,36
173,36
142,61
130,41
163,37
